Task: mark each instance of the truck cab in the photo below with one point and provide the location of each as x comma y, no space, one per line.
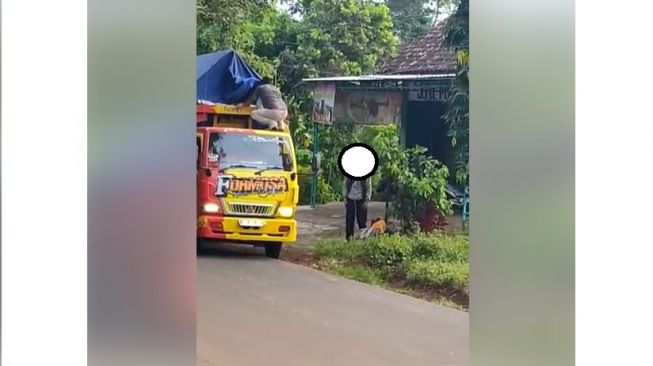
247,188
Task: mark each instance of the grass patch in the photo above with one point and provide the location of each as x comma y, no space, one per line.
337,249
434,267
433,272
358,273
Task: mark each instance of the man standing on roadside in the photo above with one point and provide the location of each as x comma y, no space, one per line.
356,194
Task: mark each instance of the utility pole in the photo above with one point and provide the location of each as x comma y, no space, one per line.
314,171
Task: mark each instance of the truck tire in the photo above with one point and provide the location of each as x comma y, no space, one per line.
201,245
273,250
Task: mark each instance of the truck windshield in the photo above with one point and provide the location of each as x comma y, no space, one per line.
250,151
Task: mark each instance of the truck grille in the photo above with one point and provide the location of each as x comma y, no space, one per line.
249,209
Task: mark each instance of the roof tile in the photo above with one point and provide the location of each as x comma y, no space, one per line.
426,55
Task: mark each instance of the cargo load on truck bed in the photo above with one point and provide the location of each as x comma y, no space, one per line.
224,77
226,85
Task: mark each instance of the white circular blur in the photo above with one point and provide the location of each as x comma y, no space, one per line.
358,161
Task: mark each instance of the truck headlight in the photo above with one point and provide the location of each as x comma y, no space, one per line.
211,207
286,211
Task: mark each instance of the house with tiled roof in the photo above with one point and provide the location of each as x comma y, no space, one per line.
425,102
416,83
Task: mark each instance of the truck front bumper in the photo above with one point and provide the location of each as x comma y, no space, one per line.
229,228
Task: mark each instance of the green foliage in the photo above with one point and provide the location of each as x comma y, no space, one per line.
416,177
344,37
421,177
386,250
223,24
298,104
325,193
337,249
438,273
304,180
332,140
457,115
411,18
441,247
435,260
303,157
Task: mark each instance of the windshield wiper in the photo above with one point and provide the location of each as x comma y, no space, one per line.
222,170
268,168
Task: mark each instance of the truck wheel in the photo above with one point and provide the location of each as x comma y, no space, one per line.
273,250
201,245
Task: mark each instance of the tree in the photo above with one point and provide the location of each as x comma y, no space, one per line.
220,22
223,24
413,18
344,37
457,115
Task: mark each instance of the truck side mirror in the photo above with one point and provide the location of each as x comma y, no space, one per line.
316,162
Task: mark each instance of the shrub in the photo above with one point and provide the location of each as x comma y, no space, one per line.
446,248
414,177
303,157
386,250
392,250
325,193
434,272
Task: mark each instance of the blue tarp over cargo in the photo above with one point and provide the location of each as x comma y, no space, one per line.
224,77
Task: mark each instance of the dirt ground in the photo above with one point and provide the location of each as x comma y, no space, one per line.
329,220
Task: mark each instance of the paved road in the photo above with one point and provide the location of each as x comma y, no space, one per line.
258,311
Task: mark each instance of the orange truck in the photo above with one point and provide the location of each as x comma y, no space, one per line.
247,185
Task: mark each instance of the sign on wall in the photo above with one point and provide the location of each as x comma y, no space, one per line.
428,94
429,90
368,107
324,96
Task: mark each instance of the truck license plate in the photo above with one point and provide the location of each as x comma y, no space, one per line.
250,223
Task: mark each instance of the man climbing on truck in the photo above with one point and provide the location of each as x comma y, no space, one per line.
271,110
